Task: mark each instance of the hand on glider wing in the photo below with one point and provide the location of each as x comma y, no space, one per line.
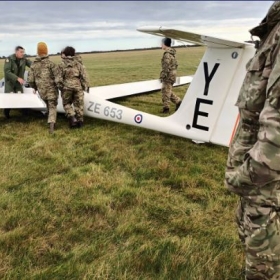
21,81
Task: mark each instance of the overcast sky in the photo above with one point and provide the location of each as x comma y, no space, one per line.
111,25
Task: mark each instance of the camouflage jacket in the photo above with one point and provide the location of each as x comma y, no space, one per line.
169,66
253,165
79,59
13,71
42,77
71,75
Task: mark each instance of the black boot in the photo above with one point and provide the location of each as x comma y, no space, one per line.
165,110
73,122
178,105
7,113
51,128
80,124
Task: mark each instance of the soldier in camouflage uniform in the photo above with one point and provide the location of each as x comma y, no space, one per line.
14,69
72,83
253,165
78,58
168,76
41,77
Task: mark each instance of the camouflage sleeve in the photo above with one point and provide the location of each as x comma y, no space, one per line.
55,73
59,76
261,164
31,78
165,66
83,77
87,77
266,151
7,71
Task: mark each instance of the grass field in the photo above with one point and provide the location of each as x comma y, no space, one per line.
111,201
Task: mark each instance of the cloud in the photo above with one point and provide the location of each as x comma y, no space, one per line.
92,24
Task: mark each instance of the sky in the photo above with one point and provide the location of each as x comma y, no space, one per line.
111,25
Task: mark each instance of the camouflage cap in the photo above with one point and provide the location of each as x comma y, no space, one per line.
270,20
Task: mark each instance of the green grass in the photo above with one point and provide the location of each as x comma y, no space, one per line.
112,201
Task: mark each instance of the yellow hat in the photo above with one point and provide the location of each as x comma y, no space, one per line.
42,49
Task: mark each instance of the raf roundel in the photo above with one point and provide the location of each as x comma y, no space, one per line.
138,118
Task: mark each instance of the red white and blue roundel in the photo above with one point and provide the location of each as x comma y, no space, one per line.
138,118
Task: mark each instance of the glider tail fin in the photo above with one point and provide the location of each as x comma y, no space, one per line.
208,112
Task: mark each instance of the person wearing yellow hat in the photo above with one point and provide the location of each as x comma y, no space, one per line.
42,49
42,77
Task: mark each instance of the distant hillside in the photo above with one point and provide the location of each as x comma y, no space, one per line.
127,50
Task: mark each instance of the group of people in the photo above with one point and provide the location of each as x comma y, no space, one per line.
47,78
71,78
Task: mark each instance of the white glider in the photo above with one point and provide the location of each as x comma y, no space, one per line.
207,112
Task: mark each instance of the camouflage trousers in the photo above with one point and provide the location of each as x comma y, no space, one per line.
259,230
75,97
52,113
168,95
